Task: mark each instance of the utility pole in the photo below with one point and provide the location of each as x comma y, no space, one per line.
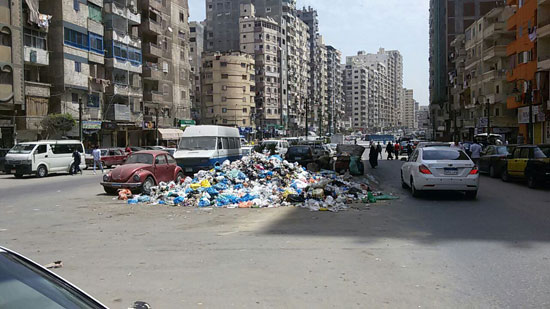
80,118
157,124
307,113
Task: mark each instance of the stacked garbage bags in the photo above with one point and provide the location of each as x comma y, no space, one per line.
259,181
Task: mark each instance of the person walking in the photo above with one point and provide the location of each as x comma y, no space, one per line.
457,145
379,150
96,153
75,167
475,149
373,156
389,150
397,148
409,149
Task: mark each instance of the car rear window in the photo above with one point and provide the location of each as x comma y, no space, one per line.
436,154
542,152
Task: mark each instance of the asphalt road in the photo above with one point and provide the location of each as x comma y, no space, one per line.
433,252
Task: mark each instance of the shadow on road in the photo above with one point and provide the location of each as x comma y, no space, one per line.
504,212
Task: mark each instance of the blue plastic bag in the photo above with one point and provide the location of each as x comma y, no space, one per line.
204,203
179,200
132,201
212,191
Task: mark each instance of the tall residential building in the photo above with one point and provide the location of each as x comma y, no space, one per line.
335,93
416,109
222,25
36,58
298,75
448,18
182,78
228,89
356,84
522,52
196,48
408,117
423,118
543,64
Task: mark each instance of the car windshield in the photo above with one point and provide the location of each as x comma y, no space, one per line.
198,143
22,148
269,143
143,158
23,285
434,154
542,152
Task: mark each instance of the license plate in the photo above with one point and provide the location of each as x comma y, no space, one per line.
188,169
13,171
451,171
298,158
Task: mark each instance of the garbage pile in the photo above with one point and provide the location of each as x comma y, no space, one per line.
259,181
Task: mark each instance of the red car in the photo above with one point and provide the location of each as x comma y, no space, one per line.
141,171
109,157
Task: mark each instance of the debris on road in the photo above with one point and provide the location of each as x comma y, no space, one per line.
260,181
56,264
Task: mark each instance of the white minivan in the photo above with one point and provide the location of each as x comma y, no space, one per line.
281,146
43,157
203,147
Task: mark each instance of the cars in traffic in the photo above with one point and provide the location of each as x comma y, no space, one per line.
530,163
43,157
303,154
493,159
109,157
440,169
142,171
432,144
26,284
281,146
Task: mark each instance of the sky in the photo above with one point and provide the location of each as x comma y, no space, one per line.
354,25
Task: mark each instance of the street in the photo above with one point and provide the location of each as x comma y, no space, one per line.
433,252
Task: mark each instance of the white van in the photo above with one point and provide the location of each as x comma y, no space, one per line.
43,157
281,146
203,147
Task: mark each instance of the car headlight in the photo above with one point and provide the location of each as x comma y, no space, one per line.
106,177
136,177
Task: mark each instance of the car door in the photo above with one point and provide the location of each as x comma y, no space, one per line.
485,159
40,155
409,165
162,168
515,163
526,154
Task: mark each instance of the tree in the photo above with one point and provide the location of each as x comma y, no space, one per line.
57,124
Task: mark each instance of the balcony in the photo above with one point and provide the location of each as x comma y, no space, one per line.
155,4
117,89
124,38
152,50
34,89
544,3
118,112
118,9
152,26
543,63
153,96
123,65
152,73
544,30
498,51
36,56
494,30
95,26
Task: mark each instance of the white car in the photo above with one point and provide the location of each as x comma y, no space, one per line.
440,169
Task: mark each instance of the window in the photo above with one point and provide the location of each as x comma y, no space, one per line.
225,76
76,5
182,17
74,97
65,148
93,100
245,110
76,39
41,149
224,110
120,50
77,66
33,38
96,43
134,55
94,12
192,29
160,160
497,89
524,154
223,64
244,77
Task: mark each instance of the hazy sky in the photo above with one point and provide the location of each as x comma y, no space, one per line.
353,25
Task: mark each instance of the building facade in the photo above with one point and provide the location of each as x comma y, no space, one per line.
228,89
196,48
543,65
408,116
335,91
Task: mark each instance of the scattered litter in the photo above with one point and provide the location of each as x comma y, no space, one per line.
56,264
260,181
124,194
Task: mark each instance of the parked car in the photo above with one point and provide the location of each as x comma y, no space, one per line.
281,146
493,159
528,162
153,147
43,157
443,169
303,154
109,157
135,149
26,284
318,149
142,171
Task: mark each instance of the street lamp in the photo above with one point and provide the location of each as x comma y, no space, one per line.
488,112
530,101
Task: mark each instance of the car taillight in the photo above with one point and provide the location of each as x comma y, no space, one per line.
474,171
424,170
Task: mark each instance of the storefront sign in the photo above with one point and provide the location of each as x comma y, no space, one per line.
523,114
91,125
185,122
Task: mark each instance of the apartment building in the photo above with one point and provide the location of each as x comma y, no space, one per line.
423,118
298,75
182,77
196,48
335,91
408,116
543,64
356,83
228,85
448,18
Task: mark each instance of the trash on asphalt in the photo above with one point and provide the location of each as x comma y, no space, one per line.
260,181
56,264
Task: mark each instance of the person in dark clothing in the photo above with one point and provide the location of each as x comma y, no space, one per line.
379,150
409,149
76,162
373,156
389,150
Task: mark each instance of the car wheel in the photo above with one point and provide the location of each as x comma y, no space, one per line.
414,191
179,177
492,172
504,175
403,184
471,195
109,190
531,182
147,185
41,171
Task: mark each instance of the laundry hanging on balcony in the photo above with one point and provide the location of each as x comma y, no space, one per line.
42,20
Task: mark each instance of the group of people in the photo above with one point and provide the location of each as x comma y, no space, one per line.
376,151
75,167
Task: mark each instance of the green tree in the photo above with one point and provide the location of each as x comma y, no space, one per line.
57,124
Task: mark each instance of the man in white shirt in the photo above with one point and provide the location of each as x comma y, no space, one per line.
475,149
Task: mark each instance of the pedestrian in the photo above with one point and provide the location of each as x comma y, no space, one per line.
96,154
457,145
389,150
128,150
373,156
379,150
397,149
75,167
475,149
409,149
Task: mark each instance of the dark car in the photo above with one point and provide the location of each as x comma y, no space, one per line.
317,148
25,284
303,154
530,162
109,157
493,159
143,170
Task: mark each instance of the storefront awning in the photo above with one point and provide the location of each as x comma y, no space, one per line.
170,134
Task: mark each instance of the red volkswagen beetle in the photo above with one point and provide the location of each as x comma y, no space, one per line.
141,171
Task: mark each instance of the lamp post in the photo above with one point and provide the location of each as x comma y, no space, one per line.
530,102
